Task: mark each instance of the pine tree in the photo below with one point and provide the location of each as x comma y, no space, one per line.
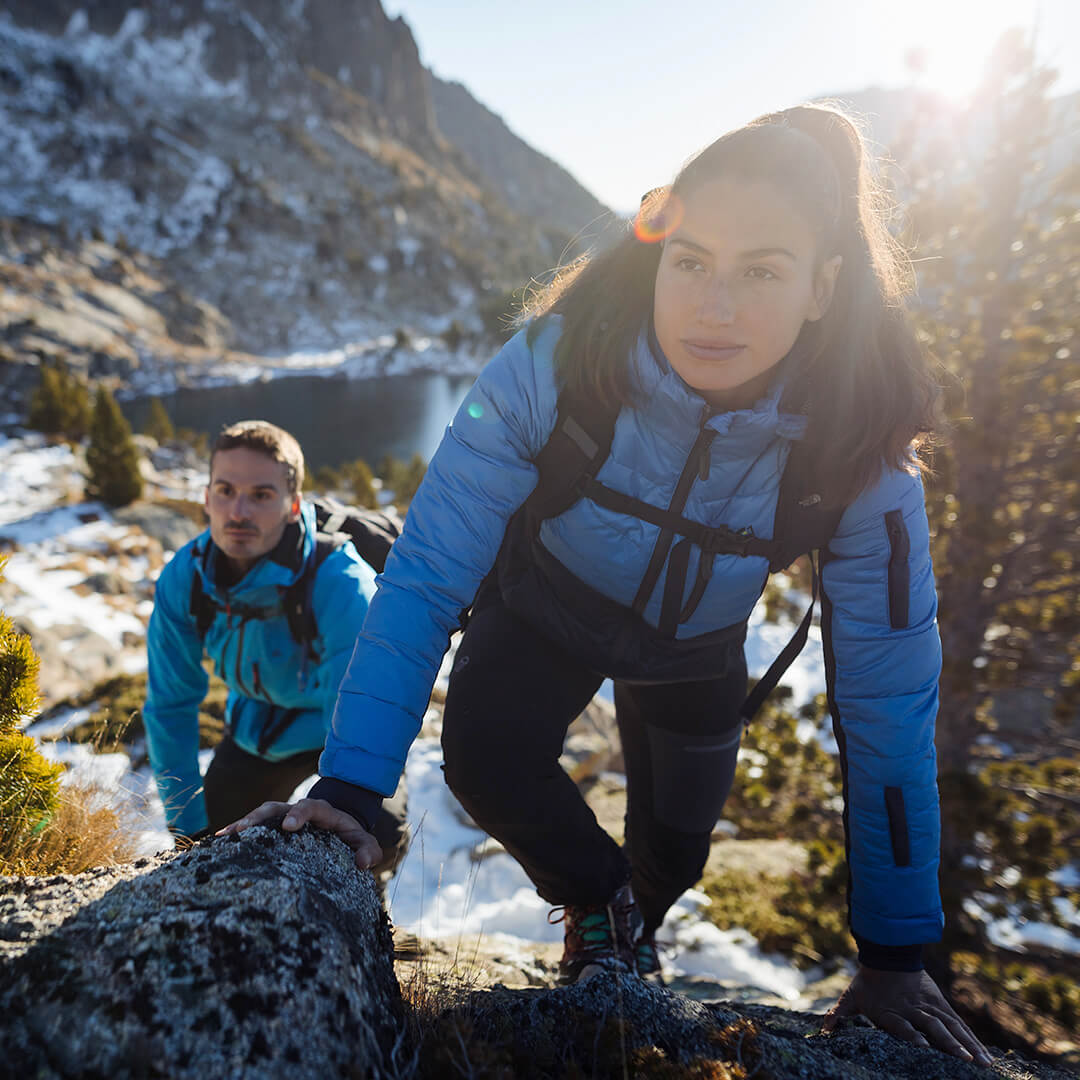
997,266
158,425
112,457
405,478
361,481
60,405
29,784
77,410
47,403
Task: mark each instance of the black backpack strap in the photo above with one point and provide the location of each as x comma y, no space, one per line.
803,523
767,683
802,526
201,606
578,446
296,599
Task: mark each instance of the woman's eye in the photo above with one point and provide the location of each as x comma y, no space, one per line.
687,262
761,273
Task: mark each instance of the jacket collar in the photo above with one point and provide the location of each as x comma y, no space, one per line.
667,391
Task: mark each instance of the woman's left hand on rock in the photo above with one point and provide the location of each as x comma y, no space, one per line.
909,1005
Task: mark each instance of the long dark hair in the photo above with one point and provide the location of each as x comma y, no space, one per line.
859,372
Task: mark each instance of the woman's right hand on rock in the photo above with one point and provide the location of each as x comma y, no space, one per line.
317,812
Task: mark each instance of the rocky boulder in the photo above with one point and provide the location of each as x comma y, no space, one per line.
260,955
269,955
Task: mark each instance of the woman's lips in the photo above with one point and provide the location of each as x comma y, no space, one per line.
712,350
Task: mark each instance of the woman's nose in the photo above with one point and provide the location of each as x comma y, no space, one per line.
717,303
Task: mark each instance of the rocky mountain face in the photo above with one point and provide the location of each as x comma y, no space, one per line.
530,183
281,159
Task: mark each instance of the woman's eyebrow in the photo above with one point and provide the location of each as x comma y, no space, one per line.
754,253
765,252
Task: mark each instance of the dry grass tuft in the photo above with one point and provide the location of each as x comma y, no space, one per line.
82,833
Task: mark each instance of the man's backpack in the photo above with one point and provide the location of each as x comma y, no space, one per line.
372,533
568,465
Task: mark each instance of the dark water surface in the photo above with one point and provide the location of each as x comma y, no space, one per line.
334,419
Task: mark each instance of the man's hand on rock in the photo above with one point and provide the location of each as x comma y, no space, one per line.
322,815
909,1005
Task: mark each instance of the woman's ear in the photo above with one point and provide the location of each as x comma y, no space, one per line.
824,287
294,509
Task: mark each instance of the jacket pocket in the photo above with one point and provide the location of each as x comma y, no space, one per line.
899,575
898,830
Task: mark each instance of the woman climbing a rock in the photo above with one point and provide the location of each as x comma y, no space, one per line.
732,384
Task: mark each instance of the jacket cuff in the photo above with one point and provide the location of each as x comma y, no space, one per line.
889,957
362,804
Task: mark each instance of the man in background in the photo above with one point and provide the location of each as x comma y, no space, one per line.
277,610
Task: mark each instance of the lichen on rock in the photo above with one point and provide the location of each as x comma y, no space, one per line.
263,954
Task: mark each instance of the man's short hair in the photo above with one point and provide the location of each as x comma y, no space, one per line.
264,438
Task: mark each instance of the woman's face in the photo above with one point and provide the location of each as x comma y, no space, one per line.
736,281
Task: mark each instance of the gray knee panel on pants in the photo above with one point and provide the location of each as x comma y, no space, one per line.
691,776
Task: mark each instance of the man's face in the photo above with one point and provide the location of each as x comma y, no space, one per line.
249,504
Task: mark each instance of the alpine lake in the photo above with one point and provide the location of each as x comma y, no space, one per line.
335,419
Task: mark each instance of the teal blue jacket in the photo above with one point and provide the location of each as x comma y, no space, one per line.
253,651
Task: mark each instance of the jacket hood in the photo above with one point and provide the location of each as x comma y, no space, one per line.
273,571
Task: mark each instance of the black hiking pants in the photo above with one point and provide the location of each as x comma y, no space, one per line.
512,696
237,782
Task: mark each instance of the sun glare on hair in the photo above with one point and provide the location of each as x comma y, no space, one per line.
657,222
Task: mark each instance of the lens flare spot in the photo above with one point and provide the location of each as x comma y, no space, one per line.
658,218
476,410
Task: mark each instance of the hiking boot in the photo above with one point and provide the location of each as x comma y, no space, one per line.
647,958
599,938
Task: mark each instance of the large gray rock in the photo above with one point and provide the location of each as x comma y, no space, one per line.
269,956
261,955
614,1027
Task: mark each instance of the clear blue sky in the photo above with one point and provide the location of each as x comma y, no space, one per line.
621,93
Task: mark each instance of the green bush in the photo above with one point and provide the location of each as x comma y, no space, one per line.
158,425
404,478
112,457
60,405
29,783
360,481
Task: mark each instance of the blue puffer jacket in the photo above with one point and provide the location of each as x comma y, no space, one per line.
257,656
882,646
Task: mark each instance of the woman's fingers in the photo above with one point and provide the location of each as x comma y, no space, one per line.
322,815
961,1033
842,1008
259,816
938,1035
317,812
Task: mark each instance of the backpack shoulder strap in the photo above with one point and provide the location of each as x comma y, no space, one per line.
201,606
296,600
802,523
578,446
802,526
